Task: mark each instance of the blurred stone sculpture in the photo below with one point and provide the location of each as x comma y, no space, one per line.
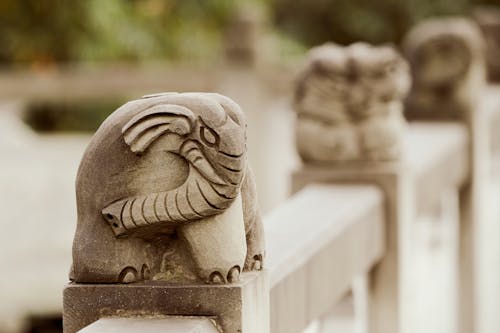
448,68
349,104
164,192
243,34
488,18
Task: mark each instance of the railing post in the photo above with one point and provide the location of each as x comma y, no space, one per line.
319,242
349,130
243,36
455,92
385,304
168,223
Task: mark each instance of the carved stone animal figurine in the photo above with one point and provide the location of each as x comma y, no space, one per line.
488,19
349,103
164,192
447,59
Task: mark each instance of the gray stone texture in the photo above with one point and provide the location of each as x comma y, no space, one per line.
236,307
164,192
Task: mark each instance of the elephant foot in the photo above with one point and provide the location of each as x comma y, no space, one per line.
254,263
130,274
232,276
145,273
216,278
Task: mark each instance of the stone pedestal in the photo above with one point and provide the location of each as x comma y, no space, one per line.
237,307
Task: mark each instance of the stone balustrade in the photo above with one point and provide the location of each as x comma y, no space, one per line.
367,181
190,257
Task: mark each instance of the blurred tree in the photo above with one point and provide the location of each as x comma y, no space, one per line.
346,21
40,32
488,2
48,31
149,29
44,32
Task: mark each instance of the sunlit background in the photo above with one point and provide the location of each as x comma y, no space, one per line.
65,65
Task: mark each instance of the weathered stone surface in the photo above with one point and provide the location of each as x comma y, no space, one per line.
236,307
446,56
349,103
164,192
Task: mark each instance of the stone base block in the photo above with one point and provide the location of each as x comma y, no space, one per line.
240,307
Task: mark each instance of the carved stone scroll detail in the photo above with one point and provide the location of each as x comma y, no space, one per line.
164,192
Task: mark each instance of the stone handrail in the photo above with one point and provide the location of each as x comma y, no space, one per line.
326,235
318,241
127,80
367,181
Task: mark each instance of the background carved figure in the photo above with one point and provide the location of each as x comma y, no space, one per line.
164,192
349,103
448,68
488,19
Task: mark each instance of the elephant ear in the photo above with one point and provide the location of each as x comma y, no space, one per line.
148,125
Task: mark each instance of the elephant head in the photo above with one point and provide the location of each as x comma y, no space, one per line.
209,136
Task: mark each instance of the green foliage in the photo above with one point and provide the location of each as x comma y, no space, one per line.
40,31
153,29
347,21
47,31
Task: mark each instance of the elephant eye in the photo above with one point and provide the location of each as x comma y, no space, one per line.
208,136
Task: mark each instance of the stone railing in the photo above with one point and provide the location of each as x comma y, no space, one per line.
148,265
358,222
317,243
126,80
